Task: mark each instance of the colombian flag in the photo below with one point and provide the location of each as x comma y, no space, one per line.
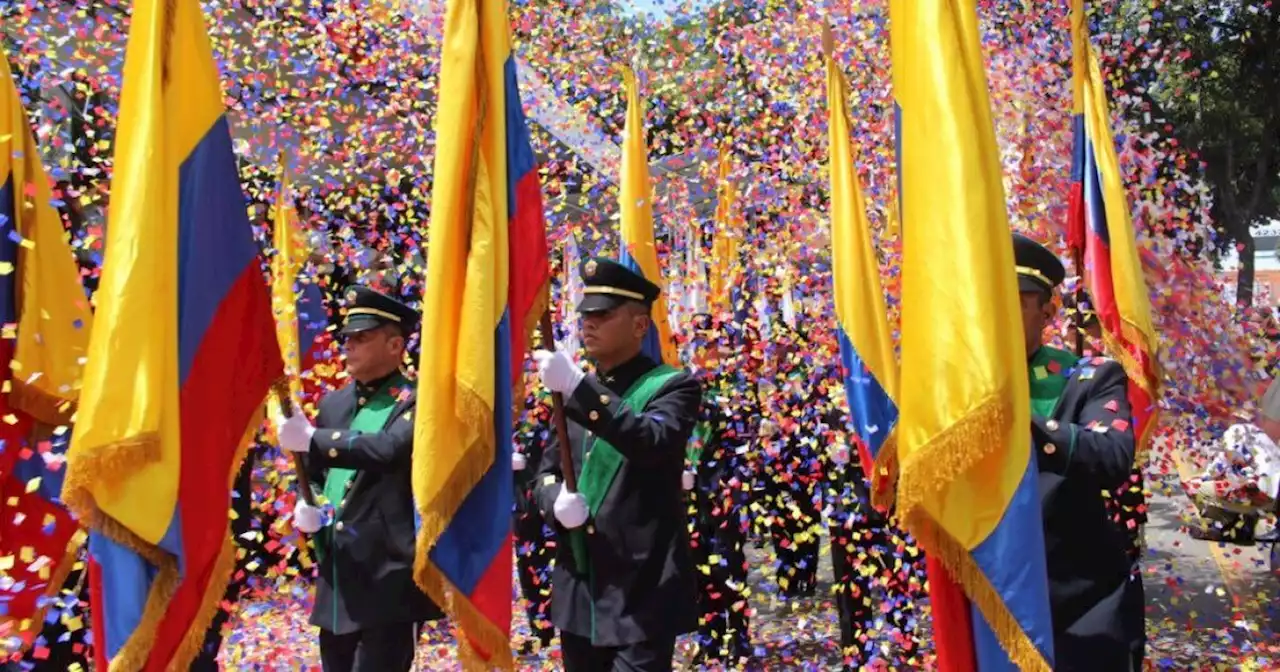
40,364
298,304
635,203
967,484
1099,226
866,347
182,354
487,286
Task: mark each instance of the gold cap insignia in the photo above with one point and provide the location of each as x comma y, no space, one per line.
590,268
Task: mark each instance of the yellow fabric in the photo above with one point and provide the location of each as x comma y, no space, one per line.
1130,287
724,247
52,310
467,278
636,209
125,456
859,297
961,321
291,254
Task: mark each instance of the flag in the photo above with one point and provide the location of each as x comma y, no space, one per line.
637,250
180,359
487,286
724,246
40,366
967,488
866,346
1100,229
297,303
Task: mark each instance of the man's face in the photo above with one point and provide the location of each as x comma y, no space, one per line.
1037,311
605,333
374,353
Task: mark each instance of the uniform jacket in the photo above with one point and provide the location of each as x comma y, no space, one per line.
366,577
640,585
1085,447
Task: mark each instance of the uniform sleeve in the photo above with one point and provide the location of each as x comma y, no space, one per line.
388,450
659,431
546,485
1100,446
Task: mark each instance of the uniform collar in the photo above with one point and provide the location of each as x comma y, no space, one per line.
620,378
366,391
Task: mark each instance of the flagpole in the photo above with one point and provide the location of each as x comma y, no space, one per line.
281,391
557,412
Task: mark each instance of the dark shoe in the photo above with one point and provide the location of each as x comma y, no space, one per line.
1227,527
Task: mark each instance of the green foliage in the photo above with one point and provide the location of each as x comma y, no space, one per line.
1211,76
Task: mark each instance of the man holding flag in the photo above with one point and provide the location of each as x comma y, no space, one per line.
1082,426
623,586
359,452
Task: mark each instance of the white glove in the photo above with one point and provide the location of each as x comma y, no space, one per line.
558,372
686,480
518,461
571,509
306,518
295,432
840,454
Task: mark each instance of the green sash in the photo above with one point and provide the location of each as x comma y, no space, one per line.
601,461
1048,378
370,419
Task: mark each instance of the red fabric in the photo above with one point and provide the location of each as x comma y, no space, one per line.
237,361
529,263
952,624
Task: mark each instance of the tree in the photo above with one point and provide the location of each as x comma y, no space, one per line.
1216,91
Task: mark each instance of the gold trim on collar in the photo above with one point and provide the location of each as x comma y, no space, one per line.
1034,274
626,294
373,311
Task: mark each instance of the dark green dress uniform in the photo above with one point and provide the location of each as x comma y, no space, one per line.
367,605
623,598
1082,430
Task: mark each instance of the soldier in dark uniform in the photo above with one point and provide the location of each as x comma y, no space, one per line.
720,480
623,586
359,454
1082,429
533,558
792,472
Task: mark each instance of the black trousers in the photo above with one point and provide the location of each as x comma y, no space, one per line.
383,648
581,656
718,534
862,561
794,529
533,564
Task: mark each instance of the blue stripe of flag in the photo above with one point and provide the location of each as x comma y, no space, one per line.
1094,205
871,411
1012,558
479,530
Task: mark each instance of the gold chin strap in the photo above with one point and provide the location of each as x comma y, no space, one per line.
626,294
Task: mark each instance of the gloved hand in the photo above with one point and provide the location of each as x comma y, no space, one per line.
518,461
840,454
295,431
558,372
306,518
571,509
686,480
